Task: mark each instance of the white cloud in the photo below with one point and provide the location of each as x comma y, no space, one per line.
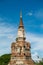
5,51
7,36
6,29
29,13
36,42
38,14
36,57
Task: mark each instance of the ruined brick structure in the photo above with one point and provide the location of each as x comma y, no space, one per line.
20,50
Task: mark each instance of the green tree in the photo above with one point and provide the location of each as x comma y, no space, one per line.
4,59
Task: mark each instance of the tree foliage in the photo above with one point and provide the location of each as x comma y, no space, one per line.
4,59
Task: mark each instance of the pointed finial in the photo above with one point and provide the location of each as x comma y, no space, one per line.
21,14
21,22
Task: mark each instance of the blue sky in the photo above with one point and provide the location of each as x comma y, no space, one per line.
32,14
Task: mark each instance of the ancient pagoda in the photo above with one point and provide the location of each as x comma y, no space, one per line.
20,50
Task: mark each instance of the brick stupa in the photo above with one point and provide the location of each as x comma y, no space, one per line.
20,50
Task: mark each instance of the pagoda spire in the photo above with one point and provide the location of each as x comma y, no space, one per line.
21,33
21,22
20,14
